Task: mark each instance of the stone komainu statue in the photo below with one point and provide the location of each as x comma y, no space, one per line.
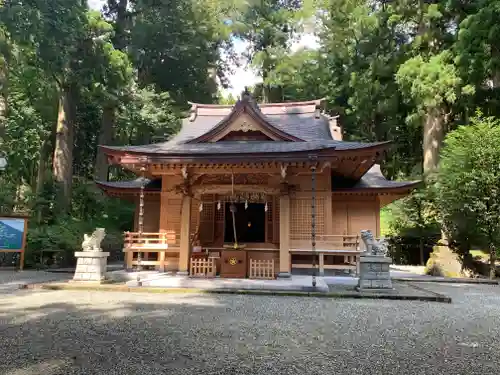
373,246
93,242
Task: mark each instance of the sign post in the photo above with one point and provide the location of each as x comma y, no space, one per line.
13,236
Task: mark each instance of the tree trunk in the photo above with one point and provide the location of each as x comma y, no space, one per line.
62,162
433,139
3,96
105,138
421,247
45,152
121,23
495,80
493,259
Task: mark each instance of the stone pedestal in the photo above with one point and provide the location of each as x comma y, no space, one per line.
91,266
374,272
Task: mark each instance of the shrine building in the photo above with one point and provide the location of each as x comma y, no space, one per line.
253,190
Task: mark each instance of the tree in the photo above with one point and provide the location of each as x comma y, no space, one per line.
477,51
433,85
112,76
268,26
468,192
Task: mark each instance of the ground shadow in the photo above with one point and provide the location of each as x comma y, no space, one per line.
76,332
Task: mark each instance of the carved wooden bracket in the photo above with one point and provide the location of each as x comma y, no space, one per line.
283,168
287,189
245,126
184,189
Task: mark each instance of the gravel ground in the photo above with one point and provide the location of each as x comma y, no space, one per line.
9,280
69,332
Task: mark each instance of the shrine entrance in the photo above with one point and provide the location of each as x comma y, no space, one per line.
250,223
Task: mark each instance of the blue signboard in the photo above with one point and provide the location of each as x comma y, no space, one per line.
11,233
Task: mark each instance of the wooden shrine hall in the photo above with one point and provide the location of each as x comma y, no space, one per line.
253,190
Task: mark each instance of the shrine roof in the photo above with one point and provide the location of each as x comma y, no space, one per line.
150,185
294,128
299,119
241,147
373,179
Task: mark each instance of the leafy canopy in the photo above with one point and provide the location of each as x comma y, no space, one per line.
468,188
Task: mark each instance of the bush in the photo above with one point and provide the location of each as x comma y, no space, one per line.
433,268
467,188
412,225
404,249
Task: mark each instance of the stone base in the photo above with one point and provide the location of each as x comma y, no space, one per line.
91,266
374,272
182,273
284,275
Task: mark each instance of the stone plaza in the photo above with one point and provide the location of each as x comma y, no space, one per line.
88,332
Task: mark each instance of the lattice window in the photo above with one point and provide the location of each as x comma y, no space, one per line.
172,212
269,218
262,269
276,230
207,216
301,211
207,212
219,214
195,214
201,267
270,208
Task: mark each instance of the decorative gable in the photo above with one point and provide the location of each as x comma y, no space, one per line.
244,127
249,135
246,120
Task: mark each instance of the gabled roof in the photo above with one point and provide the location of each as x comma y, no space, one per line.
246,105
301,120
297,129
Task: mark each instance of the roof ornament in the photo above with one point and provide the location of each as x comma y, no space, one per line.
246,95
193,112
317,111
335,128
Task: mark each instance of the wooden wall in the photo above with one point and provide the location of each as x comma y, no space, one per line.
353,213
151,214
335,214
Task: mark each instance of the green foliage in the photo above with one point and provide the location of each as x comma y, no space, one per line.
477,47
268,26
468,178
55,238
415,214
430,83
468,192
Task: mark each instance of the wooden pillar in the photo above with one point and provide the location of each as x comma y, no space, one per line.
285,270
185,245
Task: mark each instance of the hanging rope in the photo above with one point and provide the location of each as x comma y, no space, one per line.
141,219
232,208
313,223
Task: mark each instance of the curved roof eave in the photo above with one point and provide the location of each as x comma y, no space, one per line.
395,187
325,153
